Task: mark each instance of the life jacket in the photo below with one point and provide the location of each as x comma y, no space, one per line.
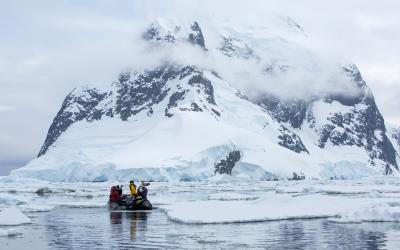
132,187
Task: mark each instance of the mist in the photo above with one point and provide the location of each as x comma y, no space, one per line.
284,68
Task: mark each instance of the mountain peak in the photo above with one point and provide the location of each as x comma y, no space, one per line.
164,32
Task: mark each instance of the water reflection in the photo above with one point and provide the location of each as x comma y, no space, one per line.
138,220
102,229
116,217
322,234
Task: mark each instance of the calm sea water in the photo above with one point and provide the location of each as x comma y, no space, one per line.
98,228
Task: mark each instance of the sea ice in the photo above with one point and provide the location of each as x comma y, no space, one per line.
276,207
375,213
11,216
221,200
35,208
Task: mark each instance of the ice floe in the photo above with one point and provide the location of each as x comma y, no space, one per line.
272,207
11,216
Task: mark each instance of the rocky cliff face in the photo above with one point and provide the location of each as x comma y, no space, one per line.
136,93
76,107
355,121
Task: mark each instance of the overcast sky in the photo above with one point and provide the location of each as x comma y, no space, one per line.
48,47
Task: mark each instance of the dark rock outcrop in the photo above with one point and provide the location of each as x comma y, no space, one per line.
196,36
225,166
291,141
173,101
297,177
286,111
205,84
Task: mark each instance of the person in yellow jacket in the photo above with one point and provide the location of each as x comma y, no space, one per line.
133,189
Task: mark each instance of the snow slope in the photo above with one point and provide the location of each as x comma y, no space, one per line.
214,102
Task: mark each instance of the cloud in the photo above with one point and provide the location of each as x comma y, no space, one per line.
279,66
4,108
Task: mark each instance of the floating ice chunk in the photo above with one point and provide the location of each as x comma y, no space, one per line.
338,187
375,213
9,232
11,216
229,196
272,207
12,199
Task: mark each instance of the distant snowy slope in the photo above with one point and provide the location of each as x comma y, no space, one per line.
250,101
394,136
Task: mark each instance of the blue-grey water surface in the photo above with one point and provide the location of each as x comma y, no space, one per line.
98,228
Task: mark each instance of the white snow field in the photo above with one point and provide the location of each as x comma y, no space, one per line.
223,199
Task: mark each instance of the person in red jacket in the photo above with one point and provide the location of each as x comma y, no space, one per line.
115,195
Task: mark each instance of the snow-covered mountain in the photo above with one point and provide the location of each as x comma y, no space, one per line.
251,101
